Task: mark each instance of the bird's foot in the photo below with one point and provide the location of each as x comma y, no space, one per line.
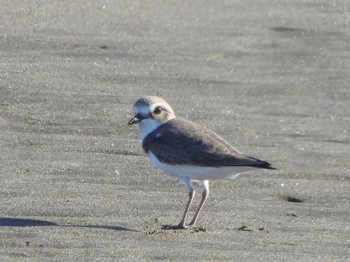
174,227
192,223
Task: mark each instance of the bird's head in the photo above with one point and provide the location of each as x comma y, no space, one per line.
150,113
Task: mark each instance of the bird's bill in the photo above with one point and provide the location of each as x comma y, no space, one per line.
136,119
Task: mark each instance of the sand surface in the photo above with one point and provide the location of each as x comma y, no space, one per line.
272,77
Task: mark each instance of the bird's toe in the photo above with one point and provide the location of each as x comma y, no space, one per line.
174,227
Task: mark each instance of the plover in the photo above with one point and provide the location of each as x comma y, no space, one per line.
187,151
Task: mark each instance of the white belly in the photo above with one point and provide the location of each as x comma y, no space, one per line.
198,172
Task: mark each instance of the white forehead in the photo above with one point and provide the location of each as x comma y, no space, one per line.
146,105
145,109
141,109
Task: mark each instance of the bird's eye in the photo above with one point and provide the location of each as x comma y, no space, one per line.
158,110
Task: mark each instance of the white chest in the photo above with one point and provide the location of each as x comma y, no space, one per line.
147,126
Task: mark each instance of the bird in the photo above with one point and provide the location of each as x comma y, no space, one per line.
187,151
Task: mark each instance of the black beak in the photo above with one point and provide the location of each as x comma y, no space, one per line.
136,119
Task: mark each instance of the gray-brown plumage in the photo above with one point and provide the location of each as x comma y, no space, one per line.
186,150
182,142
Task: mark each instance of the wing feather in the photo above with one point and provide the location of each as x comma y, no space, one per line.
181,142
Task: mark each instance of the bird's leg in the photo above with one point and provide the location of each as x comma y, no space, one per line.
191,194
205,193
187,208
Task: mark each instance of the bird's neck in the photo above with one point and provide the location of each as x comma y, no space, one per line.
147,126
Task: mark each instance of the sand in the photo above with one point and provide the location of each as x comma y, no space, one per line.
272,77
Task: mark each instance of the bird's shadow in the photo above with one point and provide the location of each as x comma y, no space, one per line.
27,222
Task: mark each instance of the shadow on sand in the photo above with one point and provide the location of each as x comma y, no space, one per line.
27,222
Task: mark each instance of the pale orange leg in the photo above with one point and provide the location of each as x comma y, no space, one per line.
191,193
187,208
205,193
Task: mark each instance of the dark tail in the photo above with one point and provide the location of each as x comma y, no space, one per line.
262,164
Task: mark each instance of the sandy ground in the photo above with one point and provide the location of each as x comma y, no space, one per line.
272,77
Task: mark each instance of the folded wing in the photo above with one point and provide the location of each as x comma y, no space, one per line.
181,142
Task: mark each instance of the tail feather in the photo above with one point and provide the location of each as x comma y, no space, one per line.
262,164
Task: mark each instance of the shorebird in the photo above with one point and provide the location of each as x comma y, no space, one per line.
187,151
